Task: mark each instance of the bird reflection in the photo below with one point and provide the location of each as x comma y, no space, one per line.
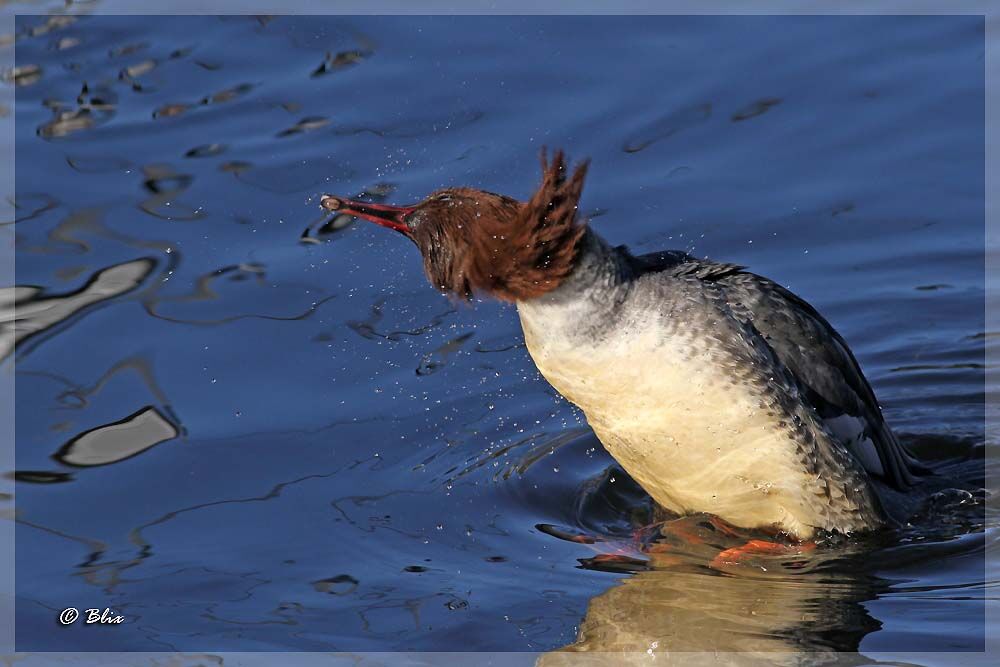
680,612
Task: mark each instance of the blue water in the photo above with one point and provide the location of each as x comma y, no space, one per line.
315,451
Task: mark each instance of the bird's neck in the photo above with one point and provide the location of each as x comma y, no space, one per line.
589,297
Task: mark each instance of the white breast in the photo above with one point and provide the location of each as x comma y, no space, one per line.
673,414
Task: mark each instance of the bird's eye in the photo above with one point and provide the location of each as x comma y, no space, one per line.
442,198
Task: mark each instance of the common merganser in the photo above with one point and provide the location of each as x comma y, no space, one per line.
716,389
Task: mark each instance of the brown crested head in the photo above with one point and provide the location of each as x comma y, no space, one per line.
477,241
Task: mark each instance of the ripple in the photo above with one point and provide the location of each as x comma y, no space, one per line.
290,177
127,49
756,108
667,126
434,361
96,164
171,110
228,94
51,24
342,584
166,185
66,43
414,128
92,109
138,69
25,75
341,60
29,206
307,124
367,328
174,109
232,293
205,150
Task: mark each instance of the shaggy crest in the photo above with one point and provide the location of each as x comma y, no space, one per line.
476,241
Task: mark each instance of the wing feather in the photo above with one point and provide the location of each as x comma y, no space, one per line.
813,352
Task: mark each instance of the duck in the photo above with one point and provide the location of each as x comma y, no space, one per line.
716,389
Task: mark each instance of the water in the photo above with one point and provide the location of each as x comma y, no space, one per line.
246,426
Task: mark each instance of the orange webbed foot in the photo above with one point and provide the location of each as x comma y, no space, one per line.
739,555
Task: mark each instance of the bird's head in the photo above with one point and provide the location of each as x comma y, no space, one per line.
478,241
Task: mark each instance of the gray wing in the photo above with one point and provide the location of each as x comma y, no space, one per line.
813,352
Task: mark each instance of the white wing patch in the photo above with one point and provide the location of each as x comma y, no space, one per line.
851,431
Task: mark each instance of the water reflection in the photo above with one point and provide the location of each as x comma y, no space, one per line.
27,312
413,477
24,75
119,440
92,109
679,603
96,164
127,49
667,615
40,476
165,184
206,304
333,62
111,442
50,24
178,108
206,150
307,124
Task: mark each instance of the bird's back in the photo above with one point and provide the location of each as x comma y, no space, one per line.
817,358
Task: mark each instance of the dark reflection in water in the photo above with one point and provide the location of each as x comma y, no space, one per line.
248,424
41,476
